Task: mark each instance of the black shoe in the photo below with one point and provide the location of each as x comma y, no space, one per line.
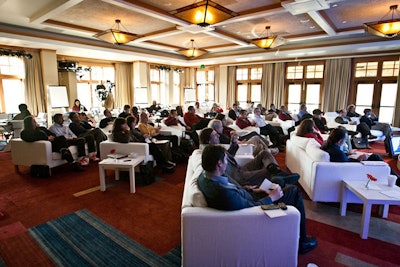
76,167
168,170
66,155
307,245
372,137
272,168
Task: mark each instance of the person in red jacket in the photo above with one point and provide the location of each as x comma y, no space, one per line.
194,121
173,119
242,121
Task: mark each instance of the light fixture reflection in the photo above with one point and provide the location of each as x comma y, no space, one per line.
269,41
192,51
204,13
384,28
115,35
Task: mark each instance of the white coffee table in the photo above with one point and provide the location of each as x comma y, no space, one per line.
117,165
374,195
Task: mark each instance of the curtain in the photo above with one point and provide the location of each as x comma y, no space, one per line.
396,113
216,85
267,81
35,93
337,84
231,90
123,84
279,84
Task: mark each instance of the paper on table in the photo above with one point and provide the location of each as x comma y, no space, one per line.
267,185
275,213
391,193
373,163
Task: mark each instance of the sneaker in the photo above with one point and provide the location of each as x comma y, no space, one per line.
66,155
171,163
83,161
274,150
94,158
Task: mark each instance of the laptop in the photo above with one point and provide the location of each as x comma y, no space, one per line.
394,146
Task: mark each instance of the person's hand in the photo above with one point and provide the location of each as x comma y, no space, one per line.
275,194
353,151
146,136
50,138
353,123
363,157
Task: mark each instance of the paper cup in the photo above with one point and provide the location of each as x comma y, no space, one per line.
392,180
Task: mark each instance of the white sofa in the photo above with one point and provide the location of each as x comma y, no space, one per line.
246,237
322,179
37,153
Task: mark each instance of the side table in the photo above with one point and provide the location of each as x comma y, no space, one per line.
378,193
117,165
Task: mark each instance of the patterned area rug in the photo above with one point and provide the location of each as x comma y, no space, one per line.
82,239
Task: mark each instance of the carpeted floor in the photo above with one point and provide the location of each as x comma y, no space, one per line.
151,216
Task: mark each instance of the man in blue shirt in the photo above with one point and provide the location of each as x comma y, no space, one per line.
221,194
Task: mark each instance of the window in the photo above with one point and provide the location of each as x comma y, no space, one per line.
12,88
177,88
248,87
205,86
87,84
304,85
375,86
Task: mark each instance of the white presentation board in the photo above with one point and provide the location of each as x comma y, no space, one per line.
58,96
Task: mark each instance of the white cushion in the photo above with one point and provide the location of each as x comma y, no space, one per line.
314,151
300,141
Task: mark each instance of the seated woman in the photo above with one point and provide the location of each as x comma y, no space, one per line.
307,129
32,132
336,139
124,131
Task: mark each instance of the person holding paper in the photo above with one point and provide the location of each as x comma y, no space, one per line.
255,171
221,193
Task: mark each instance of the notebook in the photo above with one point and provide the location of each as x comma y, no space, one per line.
116,156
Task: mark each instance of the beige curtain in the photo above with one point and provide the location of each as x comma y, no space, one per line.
267,81
35,93
123,84
216,84
279,85
396,113
231,90
337,84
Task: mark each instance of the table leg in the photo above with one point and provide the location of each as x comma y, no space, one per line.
102,178
385,211
366,216
343,202
117,174
132,179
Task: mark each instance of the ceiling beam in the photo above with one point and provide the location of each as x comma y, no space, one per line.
52,10
322,23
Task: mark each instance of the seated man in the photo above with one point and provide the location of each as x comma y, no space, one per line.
59,129
221,193
275,133
351,111
107,120
79,130
320,121
362,127
284,114
254,172
32,132
173,119
234,112
126,112
372,121
194,121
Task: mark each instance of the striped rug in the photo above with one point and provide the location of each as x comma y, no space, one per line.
82,239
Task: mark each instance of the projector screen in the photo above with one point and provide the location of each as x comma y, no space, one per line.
58,96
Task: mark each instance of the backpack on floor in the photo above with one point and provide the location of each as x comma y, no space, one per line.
147,175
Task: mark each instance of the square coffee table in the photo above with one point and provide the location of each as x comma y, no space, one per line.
117,165
378,193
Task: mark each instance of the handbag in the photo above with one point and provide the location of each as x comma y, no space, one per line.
42,171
